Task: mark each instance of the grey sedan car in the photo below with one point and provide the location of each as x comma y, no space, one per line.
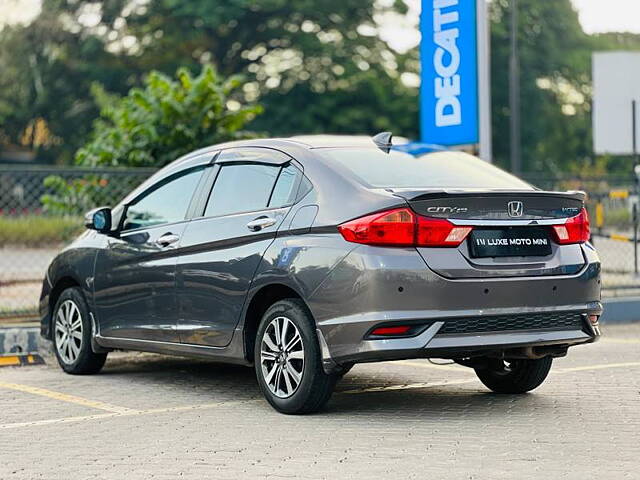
305,256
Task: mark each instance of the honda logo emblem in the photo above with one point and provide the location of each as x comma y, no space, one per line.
515,209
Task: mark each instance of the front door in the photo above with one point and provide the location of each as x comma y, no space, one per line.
222,250
135,277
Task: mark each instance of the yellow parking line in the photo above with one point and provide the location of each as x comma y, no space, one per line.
463,382
129,413
621,340
602,366
65,397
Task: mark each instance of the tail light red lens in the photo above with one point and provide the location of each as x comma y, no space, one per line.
402,227
394,227
575,230
391,331
438,232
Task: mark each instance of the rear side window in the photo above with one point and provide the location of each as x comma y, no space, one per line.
166,202
284,191
375,168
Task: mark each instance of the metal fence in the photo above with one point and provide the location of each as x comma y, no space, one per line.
41,210
612,204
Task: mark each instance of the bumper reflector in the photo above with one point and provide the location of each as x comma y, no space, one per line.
391,331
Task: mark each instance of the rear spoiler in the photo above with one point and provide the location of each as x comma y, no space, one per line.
413,195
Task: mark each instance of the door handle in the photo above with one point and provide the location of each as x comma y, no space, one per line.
260,223
166,240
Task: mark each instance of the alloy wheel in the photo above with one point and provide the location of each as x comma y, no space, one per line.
68,331
282,357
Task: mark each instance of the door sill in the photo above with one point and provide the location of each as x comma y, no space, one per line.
228,354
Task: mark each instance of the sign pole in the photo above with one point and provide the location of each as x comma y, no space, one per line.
484,80
634,137
514,92
634,132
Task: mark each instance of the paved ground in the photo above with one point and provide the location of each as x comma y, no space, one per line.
154,417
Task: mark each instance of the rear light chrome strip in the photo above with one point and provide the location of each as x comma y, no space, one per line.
506,223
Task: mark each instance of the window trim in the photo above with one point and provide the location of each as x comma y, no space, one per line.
199,212
126,233
284,158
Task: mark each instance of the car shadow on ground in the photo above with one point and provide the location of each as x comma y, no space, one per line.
435,402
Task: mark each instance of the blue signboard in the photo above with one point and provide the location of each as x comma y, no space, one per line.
449,72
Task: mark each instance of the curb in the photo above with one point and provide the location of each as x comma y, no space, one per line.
19,360
620,310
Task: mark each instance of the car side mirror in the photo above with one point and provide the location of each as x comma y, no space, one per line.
98,219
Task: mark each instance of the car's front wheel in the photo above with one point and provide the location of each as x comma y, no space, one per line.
72,335
514,376
288,362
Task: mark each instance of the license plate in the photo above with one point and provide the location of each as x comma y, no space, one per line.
510,242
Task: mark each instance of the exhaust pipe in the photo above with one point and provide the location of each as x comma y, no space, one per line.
535,353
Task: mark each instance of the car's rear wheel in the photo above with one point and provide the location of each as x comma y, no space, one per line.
72,335
514,376
288,362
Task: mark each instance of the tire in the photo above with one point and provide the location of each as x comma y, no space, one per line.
291,379
71,327
515,376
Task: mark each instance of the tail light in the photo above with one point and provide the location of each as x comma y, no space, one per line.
403,228
574,230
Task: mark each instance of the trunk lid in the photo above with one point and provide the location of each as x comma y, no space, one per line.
511,235
512,205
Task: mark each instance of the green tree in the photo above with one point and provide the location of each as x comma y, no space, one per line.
154,125
151,127
47,69
302,59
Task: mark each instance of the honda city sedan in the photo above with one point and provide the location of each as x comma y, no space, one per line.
304,256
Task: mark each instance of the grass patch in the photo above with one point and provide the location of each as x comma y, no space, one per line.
38,231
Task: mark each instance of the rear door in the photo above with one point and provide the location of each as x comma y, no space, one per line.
253,189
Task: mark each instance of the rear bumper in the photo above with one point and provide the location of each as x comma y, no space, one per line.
374,286
431,344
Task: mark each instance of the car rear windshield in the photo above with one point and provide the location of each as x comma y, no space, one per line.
377,169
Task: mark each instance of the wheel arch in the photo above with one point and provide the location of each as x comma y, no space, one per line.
261,300
61,284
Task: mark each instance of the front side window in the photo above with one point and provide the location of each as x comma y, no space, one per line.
166,203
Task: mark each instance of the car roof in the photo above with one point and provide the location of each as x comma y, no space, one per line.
299,141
